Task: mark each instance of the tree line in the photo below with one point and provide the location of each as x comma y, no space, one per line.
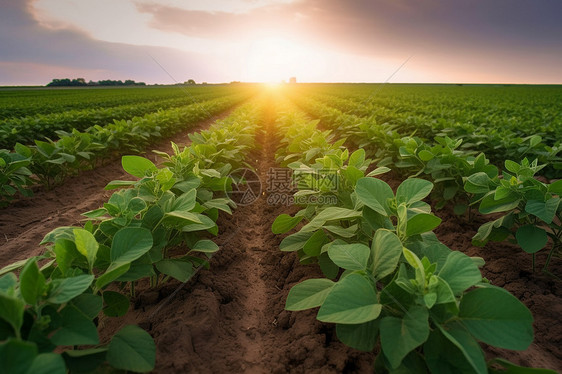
66,82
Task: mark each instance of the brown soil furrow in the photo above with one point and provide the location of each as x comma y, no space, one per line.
24,223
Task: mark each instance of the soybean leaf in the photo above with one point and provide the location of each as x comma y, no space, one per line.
421,223
350,256
374,193
132,349
17,356
543,210
412,190
386,251
178,269
87,245
310,293
206,246
284,223
76,329
116,304
351,301
32,282
460,272
497,318
11,310
399,336
362,336
137,166
453,354
47,363
66,289
531,238
130,243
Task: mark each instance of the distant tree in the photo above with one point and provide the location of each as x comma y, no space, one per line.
189,82
66,82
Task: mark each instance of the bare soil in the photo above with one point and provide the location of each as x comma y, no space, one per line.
231,318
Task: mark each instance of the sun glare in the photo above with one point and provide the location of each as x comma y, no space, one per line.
276,59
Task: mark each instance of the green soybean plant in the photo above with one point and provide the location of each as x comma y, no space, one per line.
44,317
400,289
531,209
15,175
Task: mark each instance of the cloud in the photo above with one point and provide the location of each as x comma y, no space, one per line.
45,53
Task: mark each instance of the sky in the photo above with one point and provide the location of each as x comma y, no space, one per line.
170,41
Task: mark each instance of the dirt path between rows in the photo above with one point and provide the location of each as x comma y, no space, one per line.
231,318
24,223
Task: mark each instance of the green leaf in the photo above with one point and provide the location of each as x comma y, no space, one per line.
399,336
556,187
66,289
205,246
130,243
87,245
84,360
543,210
313,246
496,317
11,310
47,363
17,356
362,336
453,353
350,256
284,223
89,304
412,190
460,272
295,241
132,349
185,202
477,183
490,205
116,304
374,193
531,238
425,155
310,293
421,223
111,274
357,158
76,329
386,251
351,301
137,166
178,269
330,214
113,185
32,282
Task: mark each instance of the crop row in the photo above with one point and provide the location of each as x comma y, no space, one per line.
51,162
28,102
27,129
389,281
532,209
500,136
156,228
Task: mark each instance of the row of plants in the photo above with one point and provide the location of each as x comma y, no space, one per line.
154,228
497,141
23,102
465,180
389,284
27,129
517,112
50,162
